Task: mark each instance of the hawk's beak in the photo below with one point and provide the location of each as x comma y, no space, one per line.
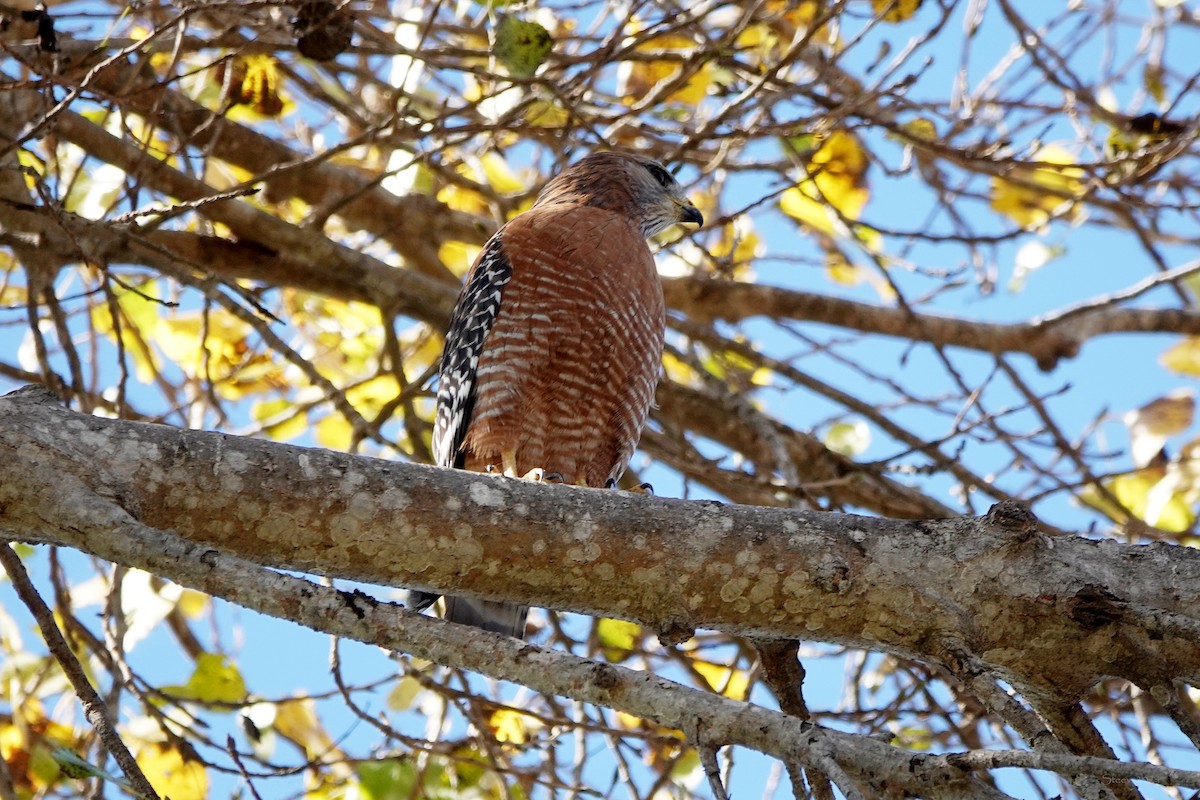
689,213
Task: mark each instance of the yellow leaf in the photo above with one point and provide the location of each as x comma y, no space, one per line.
192,603
215,679
737,247
617,638
636,79
348,335
224,340
1183,357
138,310
1133,493
783,22
282,420
253,88
27,742
463,199
214,346
333,432
1152,80
371,396
404,693
170,774
458,256
895,10
837,180
1032,196
679,371
921,130
296,721
511,726
499,175
733,683
840,270
799,205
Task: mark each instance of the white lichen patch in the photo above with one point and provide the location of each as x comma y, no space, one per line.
248,510
763,588
345,525
394,499
229,482
584,527
307,470
362,506
746,558
644,576
453,503
487,495
796,584
583,554
234,461
463,548
719,567
91,440
352,482
734,588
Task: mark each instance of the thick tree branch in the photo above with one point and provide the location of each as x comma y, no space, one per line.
1051,615
102,524
99,525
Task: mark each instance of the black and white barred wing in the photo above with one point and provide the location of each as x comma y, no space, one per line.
470,324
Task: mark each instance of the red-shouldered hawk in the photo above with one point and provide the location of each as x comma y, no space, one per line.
555,346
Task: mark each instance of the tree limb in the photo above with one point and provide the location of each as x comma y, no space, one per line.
1048,614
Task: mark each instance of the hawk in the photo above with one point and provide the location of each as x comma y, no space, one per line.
555,345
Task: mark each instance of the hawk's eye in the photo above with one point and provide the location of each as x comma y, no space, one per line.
661,175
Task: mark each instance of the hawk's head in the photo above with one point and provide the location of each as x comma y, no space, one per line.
639,188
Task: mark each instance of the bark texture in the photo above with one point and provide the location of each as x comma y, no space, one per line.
1052,615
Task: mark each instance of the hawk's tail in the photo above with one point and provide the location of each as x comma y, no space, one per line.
505,618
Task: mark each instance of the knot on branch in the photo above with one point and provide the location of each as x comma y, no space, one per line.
37,394
674,633
1012,516
1094,607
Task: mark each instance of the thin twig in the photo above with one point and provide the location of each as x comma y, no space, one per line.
94,708
708,757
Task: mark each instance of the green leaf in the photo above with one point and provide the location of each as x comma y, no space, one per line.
73,766
215,680
521,46
388,779
848,438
